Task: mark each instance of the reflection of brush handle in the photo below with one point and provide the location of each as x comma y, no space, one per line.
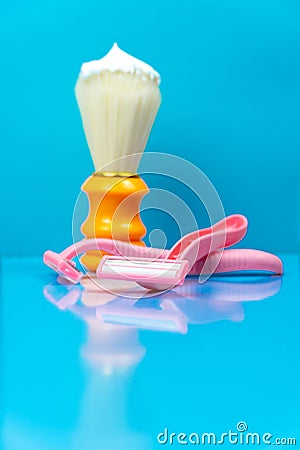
238,259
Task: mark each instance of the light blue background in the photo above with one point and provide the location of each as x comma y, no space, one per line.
231,98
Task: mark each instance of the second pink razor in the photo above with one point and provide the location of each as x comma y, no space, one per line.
161,269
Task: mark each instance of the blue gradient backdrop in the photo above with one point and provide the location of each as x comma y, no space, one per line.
231,100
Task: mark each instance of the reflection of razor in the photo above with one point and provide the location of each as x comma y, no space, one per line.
221,299
157,315
199,252
235,290
63,296
164,317
171,311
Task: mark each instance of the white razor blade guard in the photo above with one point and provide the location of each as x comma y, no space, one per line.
154,272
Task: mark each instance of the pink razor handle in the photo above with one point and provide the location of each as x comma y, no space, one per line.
62,262
161,269
240,260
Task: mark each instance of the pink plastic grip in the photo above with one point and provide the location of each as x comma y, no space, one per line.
240,259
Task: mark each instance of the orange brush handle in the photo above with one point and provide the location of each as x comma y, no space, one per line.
114,211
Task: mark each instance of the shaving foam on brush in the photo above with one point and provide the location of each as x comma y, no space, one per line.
118,98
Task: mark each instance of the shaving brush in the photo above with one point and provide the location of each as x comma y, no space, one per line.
118,98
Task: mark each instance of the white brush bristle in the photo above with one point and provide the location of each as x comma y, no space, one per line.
118,110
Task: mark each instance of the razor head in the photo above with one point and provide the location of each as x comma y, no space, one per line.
63,267
157,274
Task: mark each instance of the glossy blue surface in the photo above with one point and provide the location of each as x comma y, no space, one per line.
73,379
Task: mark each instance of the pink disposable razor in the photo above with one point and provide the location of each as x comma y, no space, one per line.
160,269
